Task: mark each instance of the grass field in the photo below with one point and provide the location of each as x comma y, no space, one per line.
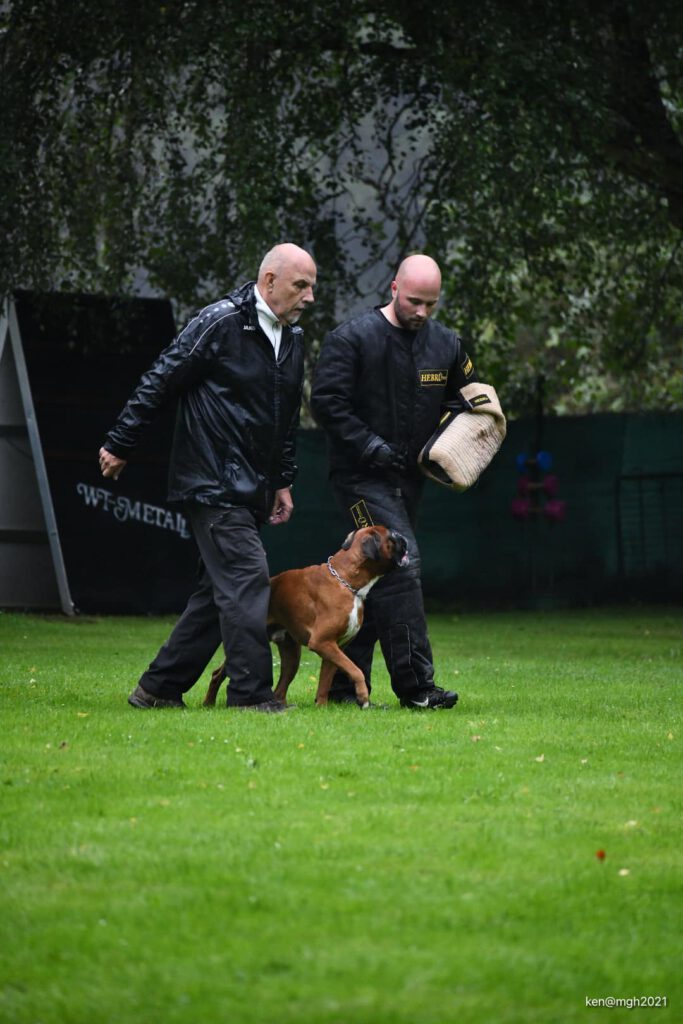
333,866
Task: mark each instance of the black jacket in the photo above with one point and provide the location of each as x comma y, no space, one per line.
376,382
238,409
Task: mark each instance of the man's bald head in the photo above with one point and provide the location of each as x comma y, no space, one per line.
419,271
414,292
284,255
286,279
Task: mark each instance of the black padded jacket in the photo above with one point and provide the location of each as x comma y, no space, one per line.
238,407
375,382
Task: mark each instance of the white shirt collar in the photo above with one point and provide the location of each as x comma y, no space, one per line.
263,307
268,321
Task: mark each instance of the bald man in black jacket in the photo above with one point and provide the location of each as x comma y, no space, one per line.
236,370
380,386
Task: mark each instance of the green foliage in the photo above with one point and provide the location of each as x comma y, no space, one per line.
535,149
330,865
569,265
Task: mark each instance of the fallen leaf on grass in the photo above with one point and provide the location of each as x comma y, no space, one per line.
475,739
624,871
540,758
82,714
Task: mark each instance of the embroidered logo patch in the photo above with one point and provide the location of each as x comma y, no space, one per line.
361,516
466,366
480,400
433,378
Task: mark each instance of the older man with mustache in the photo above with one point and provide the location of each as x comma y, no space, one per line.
236,371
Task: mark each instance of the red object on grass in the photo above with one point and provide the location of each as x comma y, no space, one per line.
600,854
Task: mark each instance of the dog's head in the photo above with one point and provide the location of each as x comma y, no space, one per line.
385,549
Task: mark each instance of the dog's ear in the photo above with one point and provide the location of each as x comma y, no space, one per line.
349,541
371,546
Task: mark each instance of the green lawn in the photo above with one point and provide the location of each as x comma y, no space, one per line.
333,866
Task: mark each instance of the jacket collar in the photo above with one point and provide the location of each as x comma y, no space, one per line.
243,299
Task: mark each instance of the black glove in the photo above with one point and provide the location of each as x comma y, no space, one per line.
389,456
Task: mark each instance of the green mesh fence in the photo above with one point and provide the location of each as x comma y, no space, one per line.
609,526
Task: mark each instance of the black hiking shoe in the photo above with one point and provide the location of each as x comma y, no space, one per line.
139,698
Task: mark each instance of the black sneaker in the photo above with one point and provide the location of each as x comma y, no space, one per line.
139,698
267,706
433,699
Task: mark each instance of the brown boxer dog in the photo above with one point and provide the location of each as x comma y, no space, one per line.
321,607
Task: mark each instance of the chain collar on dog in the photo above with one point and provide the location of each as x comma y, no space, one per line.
338,577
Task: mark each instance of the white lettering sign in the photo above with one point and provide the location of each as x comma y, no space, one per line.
125,510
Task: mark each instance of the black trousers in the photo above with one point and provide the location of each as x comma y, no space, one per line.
394,608
230,605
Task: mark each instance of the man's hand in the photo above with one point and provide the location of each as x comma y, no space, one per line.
110,465
283,507
389,456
